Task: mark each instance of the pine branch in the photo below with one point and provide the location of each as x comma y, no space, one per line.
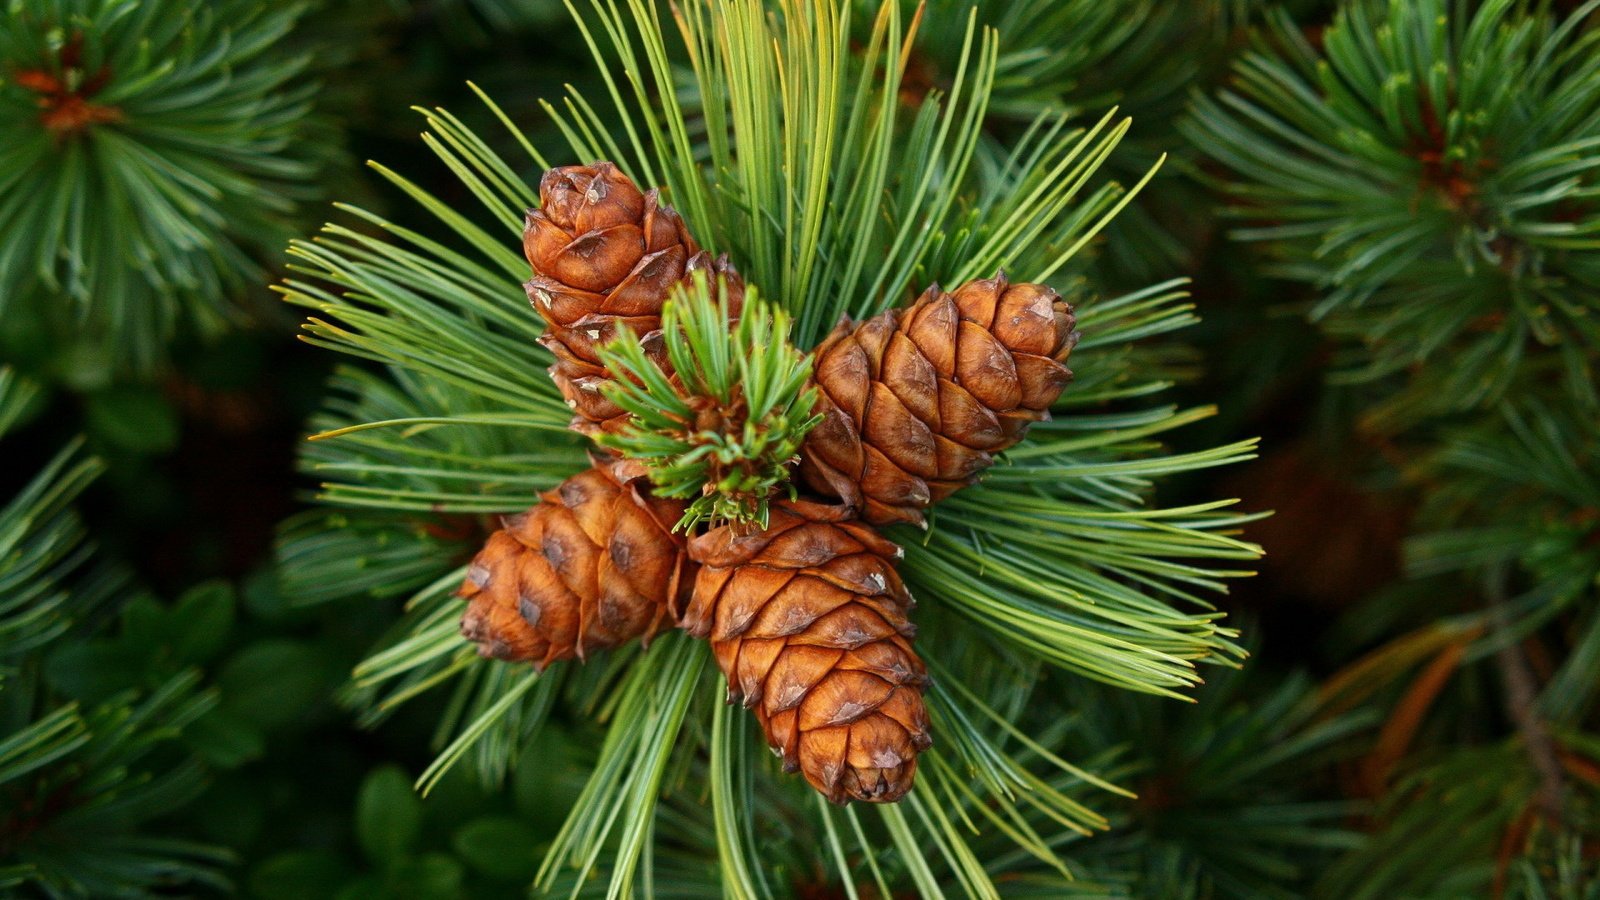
41,538
1453,824
78,783
1442,216
1224,805
833,197
146,169
1514,490
1521,702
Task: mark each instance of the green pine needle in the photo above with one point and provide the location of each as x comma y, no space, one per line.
41,538
725,431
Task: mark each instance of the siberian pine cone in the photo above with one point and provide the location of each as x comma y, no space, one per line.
916,401
605,256
808,622
593,565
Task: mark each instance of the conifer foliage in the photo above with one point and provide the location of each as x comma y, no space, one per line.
765,453
800,161
80,777
1431,169
154,155
723,428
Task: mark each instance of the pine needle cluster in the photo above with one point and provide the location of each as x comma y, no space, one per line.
153,159
1433,173
725,430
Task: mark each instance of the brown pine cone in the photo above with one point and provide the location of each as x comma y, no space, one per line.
808,622
593,565
605,256
916,401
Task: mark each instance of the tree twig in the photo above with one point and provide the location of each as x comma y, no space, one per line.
1521,703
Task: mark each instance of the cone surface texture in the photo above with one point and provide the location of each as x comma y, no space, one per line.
605,256
916,401
808,622
593,565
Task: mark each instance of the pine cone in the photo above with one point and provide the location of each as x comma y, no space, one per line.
916,401
808,622
604,256
593,565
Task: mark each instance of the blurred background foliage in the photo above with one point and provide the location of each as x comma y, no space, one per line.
1391,216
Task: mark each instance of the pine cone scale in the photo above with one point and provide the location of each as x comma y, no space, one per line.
851,628
588,261
906,439
793,673
561,302
842,699
641,293
846,379
986,369
912,379
742,603
1042,380
887,483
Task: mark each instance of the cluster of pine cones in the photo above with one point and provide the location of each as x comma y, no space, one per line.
808,618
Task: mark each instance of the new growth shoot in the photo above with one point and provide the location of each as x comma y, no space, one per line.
720,401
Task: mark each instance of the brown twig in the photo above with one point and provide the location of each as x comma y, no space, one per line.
1521,701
